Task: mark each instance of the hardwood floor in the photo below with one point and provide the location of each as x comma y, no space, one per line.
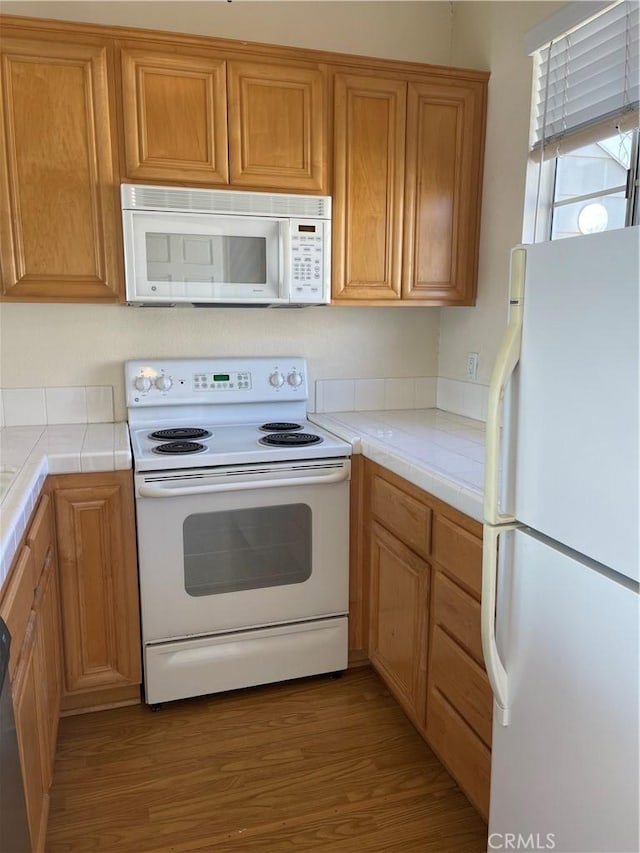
311,765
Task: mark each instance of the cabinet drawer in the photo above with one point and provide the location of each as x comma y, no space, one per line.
460,750
403,515
39,537
465,684
459,552
459,613
17,603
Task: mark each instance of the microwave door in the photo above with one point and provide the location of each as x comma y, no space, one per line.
173,258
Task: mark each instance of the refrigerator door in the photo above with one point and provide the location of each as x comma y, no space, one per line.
576,424
565,770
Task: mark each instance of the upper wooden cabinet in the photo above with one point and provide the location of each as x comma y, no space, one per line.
445,133
86,108
177,107
408,172
58,173
277,126
369,143
175,116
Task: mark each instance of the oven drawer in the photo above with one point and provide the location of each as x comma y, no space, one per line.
244,658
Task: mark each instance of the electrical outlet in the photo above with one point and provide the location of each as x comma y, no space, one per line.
472,365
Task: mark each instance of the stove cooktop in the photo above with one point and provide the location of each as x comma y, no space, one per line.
211,412
230,444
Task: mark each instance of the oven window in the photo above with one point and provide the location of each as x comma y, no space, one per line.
207,258
243,549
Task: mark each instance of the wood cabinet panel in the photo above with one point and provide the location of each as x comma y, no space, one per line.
358,565
175,116
462,682
398,619
58,178
29,710
98,581
406,517
50,663
40,536
369,141
458,613
461,751
277,126
17,603
445,130
459,553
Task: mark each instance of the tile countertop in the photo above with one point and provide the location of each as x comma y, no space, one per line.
440,452
29,453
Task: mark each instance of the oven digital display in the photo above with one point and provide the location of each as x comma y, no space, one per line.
311,228
221,377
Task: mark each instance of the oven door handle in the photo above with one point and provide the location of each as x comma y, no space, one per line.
338,476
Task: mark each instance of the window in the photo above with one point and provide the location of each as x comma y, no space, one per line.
595,187
585,119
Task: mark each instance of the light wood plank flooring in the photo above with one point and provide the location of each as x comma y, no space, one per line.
311,765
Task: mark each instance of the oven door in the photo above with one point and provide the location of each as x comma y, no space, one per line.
173,257
241,547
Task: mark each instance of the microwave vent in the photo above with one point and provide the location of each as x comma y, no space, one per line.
233,202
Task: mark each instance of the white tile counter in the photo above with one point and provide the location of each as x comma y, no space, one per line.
440,452
29,453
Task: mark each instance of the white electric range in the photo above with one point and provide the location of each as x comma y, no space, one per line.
242,512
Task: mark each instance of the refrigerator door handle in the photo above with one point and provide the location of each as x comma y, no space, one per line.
496,671
506,361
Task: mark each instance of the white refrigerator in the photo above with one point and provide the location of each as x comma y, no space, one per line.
560,609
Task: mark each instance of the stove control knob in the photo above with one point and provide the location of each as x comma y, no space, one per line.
142,383
294,379
276,379
163,383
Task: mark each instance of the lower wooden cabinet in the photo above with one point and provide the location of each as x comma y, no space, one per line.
421,596
399,607
30,607
29,703
98,589
88,598
49,658
459,698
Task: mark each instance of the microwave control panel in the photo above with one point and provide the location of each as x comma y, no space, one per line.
309,251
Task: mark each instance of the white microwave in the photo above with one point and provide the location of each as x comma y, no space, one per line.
225,247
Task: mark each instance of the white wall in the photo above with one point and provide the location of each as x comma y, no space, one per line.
44,345
415,31
86,345
489,35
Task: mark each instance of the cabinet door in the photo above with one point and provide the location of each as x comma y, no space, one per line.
369,128
398,617
50,662
29,710
445,133
98,581
58,175
277,126
175,117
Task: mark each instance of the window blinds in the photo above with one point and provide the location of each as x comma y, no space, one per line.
589,76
